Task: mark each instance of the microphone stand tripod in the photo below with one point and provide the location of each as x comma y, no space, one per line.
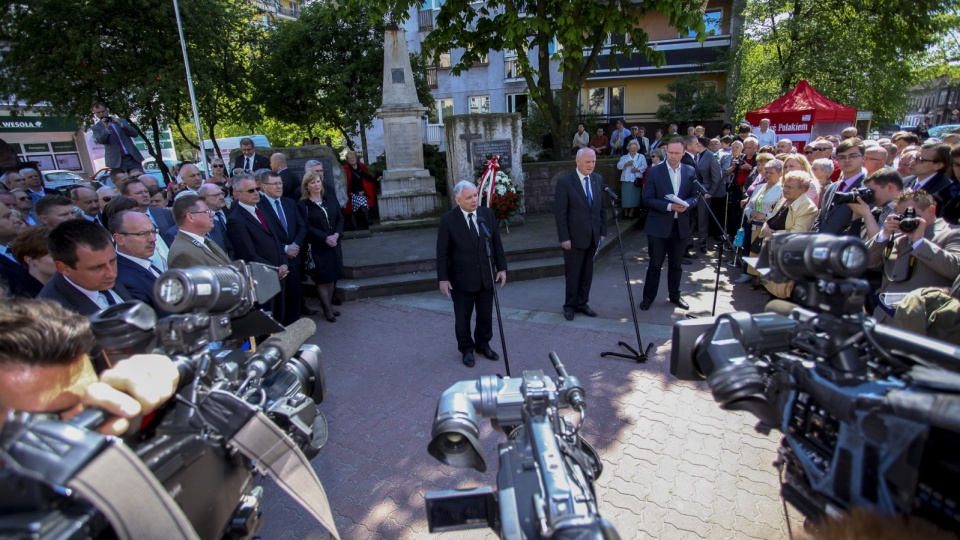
724,237
639,354
496,296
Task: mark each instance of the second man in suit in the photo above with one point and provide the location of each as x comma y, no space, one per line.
136,240
463,269
192,246
285,219
581,227
668,226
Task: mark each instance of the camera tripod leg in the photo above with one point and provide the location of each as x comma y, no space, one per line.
639,354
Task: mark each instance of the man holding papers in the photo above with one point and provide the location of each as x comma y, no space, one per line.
669,195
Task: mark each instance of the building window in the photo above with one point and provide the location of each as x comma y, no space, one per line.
441,109
444,61
432,4
711,24
517,103
606,101
482,61
479,104
511,69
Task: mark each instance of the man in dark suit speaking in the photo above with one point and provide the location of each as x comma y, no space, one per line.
463,269
581,226
668,223
249,160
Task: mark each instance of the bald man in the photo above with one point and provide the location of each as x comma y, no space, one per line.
291,184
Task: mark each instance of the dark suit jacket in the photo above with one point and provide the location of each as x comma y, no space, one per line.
14,276
112,152
138,282
655,189
939,186
259,162
708,169
578,221
461,260
251,242
65,294
291,184
837,219
164,219
184,254
296,225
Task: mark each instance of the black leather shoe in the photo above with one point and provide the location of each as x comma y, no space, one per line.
304,310
587,311
680,302
686,261
645,305
488,352
336,313
568,314
691,255
703,249
468,359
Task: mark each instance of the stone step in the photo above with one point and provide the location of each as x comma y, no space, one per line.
426,263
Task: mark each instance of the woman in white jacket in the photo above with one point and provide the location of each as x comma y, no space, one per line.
633,164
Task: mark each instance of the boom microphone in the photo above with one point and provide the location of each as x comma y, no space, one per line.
699,186
611,193
282,346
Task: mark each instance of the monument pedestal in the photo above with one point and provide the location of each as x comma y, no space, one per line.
408,192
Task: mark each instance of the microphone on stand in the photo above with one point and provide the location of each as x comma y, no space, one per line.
699,186
611,193
483,226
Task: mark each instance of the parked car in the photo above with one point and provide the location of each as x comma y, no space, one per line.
940,131
62,181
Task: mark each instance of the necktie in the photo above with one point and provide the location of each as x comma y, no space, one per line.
113,128
246,163
283,220
473,228
106,299
586,183
262,221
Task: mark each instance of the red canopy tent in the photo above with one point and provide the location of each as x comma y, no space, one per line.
803,114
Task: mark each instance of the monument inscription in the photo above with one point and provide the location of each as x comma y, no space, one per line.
479,150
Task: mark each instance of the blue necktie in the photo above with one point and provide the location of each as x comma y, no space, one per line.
283,220
586,180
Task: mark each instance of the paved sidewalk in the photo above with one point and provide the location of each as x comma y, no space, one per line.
676,466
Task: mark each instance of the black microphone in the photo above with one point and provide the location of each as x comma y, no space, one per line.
281,346
611,193
483,226
699,186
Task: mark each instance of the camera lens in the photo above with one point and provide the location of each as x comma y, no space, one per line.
212,289
805,256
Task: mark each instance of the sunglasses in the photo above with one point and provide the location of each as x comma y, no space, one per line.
218,166
920,159
251,190
106,199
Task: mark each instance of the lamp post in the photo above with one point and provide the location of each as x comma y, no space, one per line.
193,97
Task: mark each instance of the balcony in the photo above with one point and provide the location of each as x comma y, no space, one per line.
432,77
425,19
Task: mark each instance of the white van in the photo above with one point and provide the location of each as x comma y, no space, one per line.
228,144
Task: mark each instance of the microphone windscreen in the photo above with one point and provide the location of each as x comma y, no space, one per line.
290,340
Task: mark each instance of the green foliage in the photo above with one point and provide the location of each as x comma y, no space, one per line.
862,55
580,27
689,101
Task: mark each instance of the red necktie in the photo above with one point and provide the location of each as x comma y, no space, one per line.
262,221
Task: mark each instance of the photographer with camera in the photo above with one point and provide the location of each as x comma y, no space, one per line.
44,368
914,250
886,185
115,135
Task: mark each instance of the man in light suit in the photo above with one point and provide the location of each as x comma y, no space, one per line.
668,225
581,227
86,262
926,257
212,196
136,240
838,218
463,269
192,246
711,176
249,160
115,134
252,237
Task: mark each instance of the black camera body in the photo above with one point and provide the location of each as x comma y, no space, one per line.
908,221
545,484
868,413
188,443
866,195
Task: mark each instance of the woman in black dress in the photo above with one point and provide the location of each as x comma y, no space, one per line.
324,226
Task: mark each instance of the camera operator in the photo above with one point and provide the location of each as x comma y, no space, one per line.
44,368
886,185
910,258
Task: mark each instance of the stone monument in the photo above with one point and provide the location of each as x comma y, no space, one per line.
471,137
408,192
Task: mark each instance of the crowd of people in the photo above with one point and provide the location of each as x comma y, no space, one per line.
93,247
759,184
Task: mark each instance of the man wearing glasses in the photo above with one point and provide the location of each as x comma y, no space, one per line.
136,239
838,218
86,262
929,173
192,246
822,149
874,159
284,218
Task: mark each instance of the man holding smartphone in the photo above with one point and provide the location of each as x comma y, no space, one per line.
115,134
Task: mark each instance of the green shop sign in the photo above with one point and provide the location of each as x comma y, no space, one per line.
36,124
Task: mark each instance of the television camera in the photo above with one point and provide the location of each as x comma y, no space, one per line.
545,485
870,414
236,415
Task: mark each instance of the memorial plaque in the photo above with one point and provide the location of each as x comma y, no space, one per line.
479,150
397,74
404,152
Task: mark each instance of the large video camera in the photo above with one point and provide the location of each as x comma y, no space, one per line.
547,470
203,446
870,415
